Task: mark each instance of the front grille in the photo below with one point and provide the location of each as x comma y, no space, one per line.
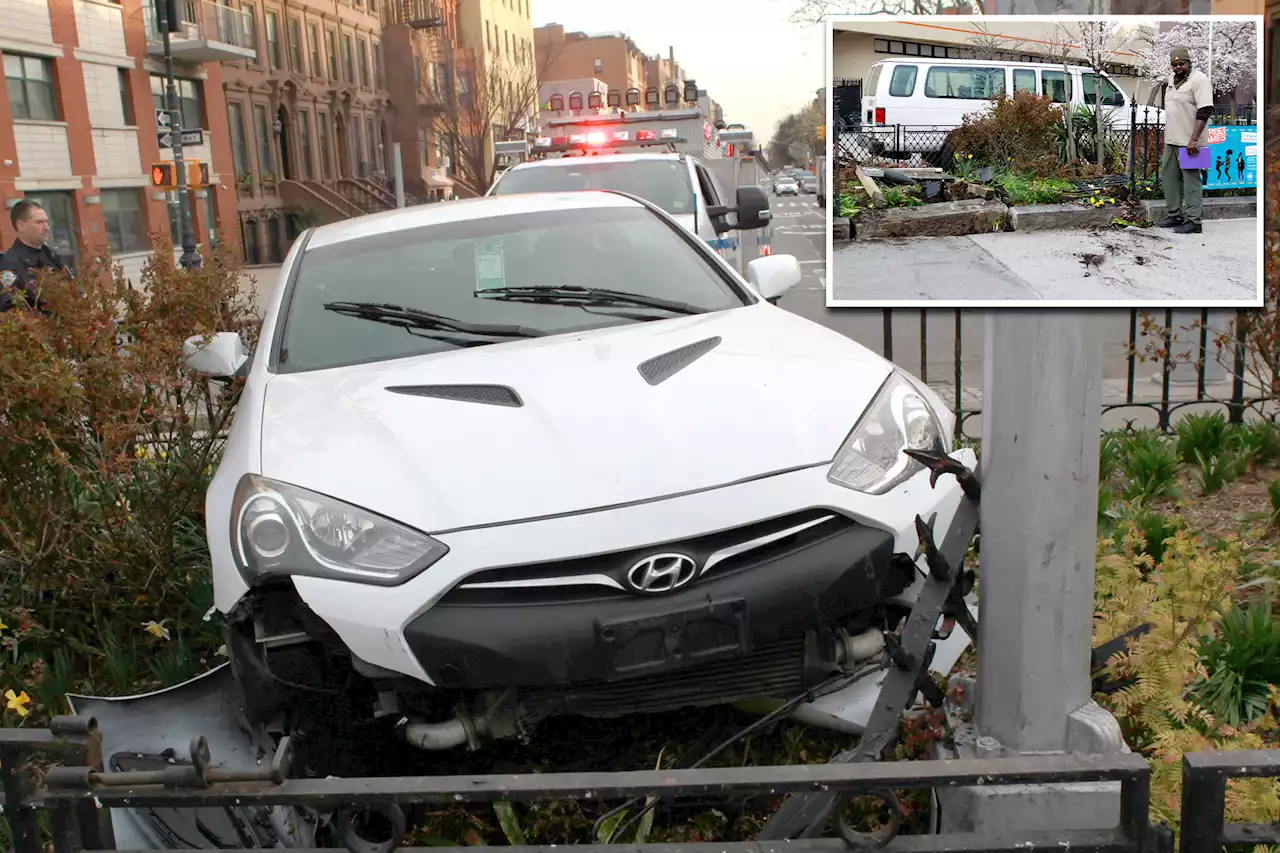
604,575
777,670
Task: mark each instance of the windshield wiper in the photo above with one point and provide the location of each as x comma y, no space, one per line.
594,295
414,318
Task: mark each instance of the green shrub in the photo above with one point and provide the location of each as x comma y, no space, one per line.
1201,434
109,446
1217,470
1031,190
1259,442
1150,463
1273,493
1016,134
1242,660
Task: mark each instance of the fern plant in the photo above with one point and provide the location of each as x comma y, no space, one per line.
1242,660
1201,433
1150,464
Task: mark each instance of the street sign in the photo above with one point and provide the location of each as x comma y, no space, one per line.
163,120
164,138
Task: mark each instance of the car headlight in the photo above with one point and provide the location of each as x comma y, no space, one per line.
871,460
279,529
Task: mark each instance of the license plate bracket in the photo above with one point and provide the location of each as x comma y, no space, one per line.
674,639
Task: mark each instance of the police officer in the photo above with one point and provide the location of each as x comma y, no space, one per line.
28,254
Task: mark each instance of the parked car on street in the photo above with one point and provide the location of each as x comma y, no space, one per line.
488,451
808,183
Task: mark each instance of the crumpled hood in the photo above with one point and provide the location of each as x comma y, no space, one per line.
776,393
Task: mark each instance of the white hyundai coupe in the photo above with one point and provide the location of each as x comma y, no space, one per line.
514,457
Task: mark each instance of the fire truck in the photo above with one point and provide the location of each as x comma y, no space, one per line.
709,179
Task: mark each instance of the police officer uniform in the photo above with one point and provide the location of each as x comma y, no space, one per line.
18,271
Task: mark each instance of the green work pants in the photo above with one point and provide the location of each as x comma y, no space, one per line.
1183,192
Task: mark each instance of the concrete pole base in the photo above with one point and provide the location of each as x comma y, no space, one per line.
1001,809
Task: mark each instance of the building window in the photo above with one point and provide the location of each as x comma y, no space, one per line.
304,142
273,39
313,44
63,233
239,140
348,71
126,226
126,98
362,52
322,135
373,5
30,81
251,12
599,66
266,159
249,238
332,52
374,156
190,102
358,148
422,144
295,46
377,65
211,220
275,240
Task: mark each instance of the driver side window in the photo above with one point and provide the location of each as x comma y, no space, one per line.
710,189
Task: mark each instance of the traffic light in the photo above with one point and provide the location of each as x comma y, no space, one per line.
165,177
169,8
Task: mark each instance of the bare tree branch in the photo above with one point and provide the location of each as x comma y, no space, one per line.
813,11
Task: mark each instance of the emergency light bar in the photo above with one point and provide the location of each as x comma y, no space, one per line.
606,139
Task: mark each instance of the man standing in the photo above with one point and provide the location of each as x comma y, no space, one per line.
1188,106
28,254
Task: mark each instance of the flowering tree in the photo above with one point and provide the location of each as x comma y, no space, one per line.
1234,56
1093,39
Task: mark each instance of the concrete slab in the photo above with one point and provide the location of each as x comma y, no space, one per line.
1148,265
921,269
1232,207
1044,217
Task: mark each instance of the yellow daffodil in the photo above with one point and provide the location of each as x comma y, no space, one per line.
157,629
17,702
3,626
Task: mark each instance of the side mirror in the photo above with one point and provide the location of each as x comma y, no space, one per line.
774,275
220,356
753,208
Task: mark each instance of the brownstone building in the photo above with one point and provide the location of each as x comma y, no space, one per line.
420,39
78,129
308,120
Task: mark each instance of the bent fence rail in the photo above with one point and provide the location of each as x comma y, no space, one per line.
77,796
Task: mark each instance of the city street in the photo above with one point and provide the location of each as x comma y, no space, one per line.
800,229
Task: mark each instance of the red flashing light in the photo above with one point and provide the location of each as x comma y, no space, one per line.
643,135
596,138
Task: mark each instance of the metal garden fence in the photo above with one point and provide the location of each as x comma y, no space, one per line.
72,801
1199,345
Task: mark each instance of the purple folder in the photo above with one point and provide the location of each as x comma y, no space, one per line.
1202,160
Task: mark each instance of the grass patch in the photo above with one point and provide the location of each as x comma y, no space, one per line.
1023,189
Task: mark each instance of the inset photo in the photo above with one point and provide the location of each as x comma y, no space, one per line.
1036,161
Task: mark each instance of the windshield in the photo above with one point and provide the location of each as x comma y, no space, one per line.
662,181
446,269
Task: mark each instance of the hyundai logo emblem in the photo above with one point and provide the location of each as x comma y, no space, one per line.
661,573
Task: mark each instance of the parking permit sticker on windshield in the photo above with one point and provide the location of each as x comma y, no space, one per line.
490,268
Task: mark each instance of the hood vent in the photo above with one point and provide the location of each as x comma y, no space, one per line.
487,395
662,367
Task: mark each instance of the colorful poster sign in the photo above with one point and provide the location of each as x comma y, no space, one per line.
1235,158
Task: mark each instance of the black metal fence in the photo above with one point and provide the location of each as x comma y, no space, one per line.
1198,342
72,801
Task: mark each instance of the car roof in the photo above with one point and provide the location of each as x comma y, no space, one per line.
484,207
930,60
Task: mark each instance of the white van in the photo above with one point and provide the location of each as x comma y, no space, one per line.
923,92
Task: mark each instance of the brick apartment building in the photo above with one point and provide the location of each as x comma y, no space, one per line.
308,120
78,128
612,58
422,35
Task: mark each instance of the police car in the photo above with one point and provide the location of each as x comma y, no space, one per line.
679,183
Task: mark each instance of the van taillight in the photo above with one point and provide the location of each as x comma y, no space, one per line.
879,115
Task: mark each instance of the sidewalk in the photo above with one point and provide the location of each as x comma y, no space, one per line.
1134,264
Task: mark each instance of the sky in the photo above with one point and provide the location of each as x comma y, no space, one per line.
747,54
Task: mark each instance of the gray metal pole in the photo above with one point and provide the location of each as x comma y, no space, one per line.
1042,420
398,167
186,229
